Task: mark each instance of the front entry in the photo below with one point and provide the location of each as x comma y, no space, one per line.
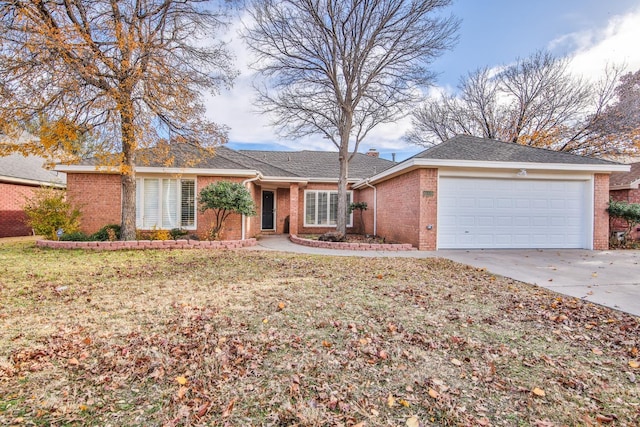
268,211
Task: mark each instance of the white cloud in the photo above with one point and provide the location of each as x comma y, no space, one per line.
594,49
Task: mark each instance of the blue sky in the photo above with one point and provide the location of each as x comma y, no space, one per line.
493,33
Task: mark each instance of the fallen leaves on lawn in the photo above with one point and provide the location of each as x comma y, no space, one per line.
413,421
538,392
197,339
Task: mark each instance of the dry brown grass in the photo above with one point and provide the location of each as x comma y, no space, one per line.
260,338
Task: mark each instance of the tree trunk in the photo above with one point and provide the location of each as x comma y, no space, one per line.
128,223
341,217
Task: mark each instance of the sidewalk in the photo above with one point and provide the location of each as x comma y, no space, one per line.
282,243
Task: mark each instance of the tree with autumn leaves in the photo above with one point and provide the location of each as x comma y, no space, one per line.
110,78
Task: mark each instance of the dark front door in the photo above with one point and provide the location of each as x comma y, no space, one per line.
267,210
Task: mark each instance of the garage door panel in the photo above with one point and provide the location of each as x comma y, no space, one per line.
503,213
485,221
484,203
466,221
557,221
520,221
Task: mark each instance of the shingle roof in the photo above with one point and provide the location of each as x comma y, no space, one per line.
320,164
298,164
30,168
16,167
463,147
190,156
621,179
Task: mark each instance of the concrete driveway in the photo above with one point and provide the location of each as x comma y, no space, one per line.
609,278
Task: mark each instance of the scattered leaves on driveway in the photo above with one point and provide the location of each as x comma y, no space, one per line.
176,338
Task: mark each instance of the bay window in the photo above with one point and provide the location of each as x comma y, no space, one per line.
321,208
164,203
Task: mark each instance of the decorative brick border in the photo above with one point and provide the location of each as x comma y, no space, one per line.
352,246
148,244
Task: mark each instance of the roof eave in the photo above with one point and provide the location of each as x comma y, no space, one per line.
633,185
295,179
31,182
416,163
159,170
334,180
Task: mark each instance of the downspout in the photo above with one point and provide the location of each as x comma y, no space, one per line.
244,218
375,207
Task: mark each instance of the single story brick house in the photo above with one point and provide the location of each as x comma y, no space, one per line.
625,186
464,193
20,177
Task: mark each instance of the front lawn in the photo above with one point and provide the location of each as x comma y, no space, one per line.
196,337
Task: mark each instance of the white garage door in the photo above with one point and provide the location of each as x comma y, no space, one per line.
507,213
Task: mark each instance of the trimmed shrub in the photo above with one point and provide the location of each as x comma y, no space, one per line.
110,232
225,198
48,211
176,233
77,236
629,212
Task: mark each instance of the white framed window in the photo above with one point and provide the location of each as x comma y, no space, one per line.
321,208
165,203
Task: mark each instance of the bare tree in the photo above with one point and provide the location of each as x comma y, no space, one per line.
339,68
535,102
121,74
617,126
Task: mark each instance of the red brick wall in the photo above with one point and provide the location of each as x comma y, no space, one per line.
364,194
233,225
316,230
282,208
404,210
428,209
600,214
294,215
253,223
12,217
99,198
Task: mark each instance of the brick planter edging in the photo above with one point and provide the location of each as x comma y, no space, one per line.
352,246
148,244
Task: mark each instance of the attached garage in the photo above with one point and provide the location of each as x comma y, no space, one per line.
485,213
476,193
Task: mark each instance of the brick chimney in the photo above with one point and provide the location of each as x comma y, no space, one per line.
373,152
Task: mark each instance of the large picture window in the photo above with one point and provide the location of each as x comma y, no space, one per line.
164,203
321,208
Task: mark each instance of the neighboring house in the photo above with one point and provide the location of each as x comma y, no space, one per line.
625,186
464,193
20,177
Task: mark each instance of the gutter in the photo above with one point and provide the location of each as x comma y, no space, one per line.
157,170
375,207
416,163
32,182
244,218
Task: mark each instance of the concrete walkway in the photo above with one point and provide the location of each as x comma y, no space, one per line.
609,278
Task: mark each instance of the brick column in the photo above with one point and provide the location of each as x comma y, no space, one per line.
293,208
600,214
428,209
